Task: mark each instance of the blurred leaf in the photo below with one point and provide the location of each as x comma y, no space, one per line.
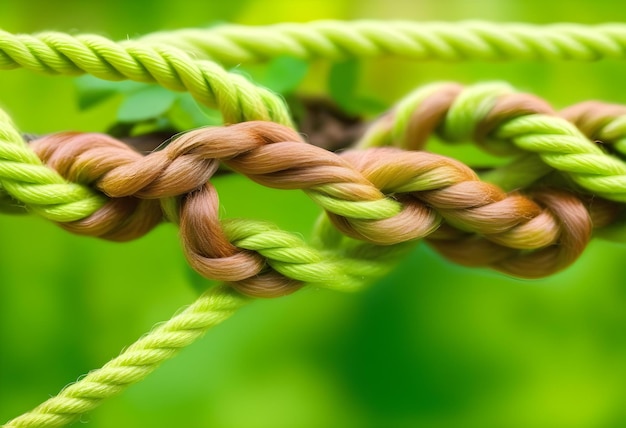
284,74
146,103
185,113
342,83
366,105
147,127
92,91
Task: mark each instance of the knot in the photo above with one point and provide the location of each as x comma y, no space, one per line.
602,122
565,219
502,122
384,196
482,224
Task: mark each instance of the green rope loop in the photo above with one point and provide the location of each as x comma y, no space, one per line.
558,142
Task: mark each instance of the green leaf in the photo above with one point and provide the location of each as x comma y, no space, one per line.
147,103
92,91
342,83
284,74
362,104
186,113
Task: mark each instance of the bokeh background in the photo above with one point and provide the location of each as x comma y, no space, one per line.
432,345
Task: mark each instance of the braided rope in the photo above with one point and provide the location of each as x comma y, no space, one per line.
605,123
284,253
386,197
190,160
135,363
24,177
352,189
338,40
62,54
502,122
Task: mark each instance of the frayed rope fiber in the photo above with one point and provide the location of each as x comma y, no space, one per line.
529,218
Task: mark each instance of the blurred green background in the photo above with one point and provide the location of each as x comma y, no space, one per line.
432,345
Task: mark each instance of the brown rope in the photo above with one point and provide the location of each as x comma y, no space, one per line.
483,225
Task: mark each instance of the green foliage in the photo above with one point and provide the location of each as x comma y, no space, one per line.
144,107
343,87
432,345
282,74
92,91
145,104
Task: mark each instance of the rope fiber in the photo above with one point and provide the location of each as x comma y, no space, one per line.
530,217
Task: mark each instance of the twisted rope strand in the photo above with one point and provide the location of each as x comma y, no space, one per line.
385,197
135,363
443,41
603,122
62,54
503,122
426,187
24,177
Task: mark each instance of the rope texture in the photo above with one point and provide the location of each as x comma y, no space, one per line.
443,41
135,363
378,201
62,54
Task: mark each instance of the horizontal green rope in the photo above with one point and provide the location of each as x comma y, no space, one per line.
29,182
444,41
345,267
62,54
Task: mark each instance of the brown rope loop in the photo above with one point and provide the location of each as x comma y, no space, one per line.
447,189
209,251
574,232
84,158
431,189
594,119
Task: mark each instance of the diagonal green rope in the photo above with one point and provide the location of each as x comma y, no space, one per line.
558,143
135,363
61,54
339,265
444,41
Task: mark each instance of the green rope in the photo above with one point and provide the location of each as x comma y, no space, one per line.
135,363
558,143
24,177
335,262
341,265
444,41
62,54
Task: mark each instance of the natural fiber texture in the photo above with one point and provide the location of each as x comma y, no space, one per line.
444,41
260,260
378,201
502,122
604,123
352,188
62,54
135,363
24,177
